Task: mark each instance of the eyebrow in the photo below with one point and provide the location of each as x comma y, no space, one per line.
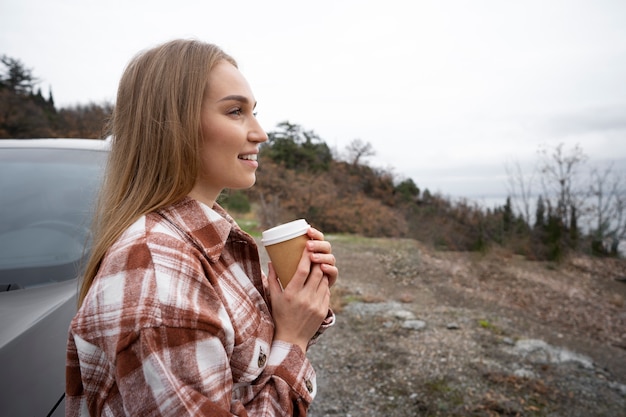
236,97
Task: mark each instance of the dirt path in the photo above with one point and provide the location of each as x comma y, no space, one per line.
428,333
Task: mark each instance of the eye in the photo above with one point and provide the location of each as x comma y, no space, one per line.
236,111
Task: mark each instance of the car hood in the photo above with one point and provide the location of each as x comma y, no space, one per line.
22,309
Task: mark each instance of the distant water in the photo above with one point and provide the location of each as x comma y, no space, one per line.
488,202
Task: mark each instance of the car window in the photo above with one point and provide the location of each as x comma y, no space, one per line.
46,201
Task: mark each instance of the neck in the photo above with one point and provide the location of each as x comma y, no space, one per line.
203,195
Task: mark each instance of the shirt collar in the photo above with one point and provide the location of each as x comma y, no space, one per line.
209,228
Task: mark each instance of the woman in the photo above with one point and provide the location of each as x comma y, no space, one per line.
175,315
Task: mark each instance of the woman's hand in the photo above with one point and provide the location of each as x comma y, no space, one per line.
300,308
321,253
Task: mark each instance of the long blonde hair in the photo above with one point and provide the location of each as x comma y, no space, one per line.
156,139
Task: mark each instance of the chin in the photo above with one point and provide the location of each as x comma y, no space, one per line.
244,185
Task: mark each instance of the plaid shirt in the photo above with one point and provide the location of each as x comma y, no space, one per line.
177,322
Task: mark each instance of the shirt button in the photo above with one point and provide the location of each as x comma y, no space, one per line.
309,386
262,359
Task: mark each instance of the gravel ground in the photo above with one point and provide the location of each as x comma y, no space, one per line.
427,333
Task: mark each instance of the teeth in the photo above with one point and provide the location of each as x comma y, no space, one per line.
251,157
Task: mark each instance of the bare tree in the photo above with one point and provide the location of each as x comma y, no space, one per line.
560,172
520,189
357,150
608,210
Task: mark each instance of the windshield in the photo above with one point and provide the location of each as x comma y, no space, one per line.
46,199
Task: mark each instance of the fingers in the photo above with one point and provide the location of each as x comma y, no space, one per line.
315,234
272,279
322,258
331,272
319,246
316,277
321,253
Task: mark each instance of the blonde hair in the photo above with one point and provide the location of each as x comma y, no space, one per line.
156,139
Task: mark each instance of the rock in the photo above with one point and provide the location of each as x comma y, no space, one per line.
541,352
372,309
453,326
524,373
621,388
403,315
508,341
414,324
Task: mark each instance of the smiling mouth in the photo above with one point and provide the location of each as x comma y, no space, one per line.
251,157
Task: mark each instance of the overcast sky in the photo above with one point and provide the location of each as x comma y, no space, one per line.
447,92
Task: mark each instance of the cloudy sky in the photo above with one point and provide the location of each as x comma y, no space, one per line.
448,92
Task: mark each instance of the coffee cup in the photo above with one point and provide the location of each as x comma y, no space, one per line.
284,245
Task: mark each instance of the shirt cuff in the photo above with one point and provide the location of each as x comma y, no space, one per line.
292,366
328,322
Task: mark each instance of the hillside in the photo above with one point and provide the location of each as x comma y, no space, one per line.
429,333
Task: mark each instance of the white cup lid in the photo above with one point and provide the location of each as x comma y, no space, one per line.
284,232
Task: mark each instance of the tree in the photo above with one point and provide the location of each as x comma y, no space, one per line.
84,121
560,171
297,149
507,216
357,150
22,117
608,210
540,214
407,191
24,113
553,235
16,77
520,189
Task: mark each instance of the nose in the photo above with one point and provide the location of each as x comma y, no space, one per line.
257,134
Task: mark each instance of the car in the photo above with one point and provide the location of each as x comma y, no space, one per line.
48,189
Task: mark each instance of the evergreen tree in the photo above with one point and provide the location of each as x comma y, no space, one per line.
573,227
297,149
407,190
507,216
16,77
50,99
540,214
553,237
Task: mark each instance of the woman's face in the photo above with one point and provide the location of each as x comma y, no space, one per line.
231,135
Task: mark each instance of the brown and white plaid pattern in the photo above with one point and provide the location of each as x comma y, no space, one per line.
178,323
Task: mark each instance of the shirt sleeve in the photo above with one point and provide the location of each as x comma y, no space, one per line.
329,321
